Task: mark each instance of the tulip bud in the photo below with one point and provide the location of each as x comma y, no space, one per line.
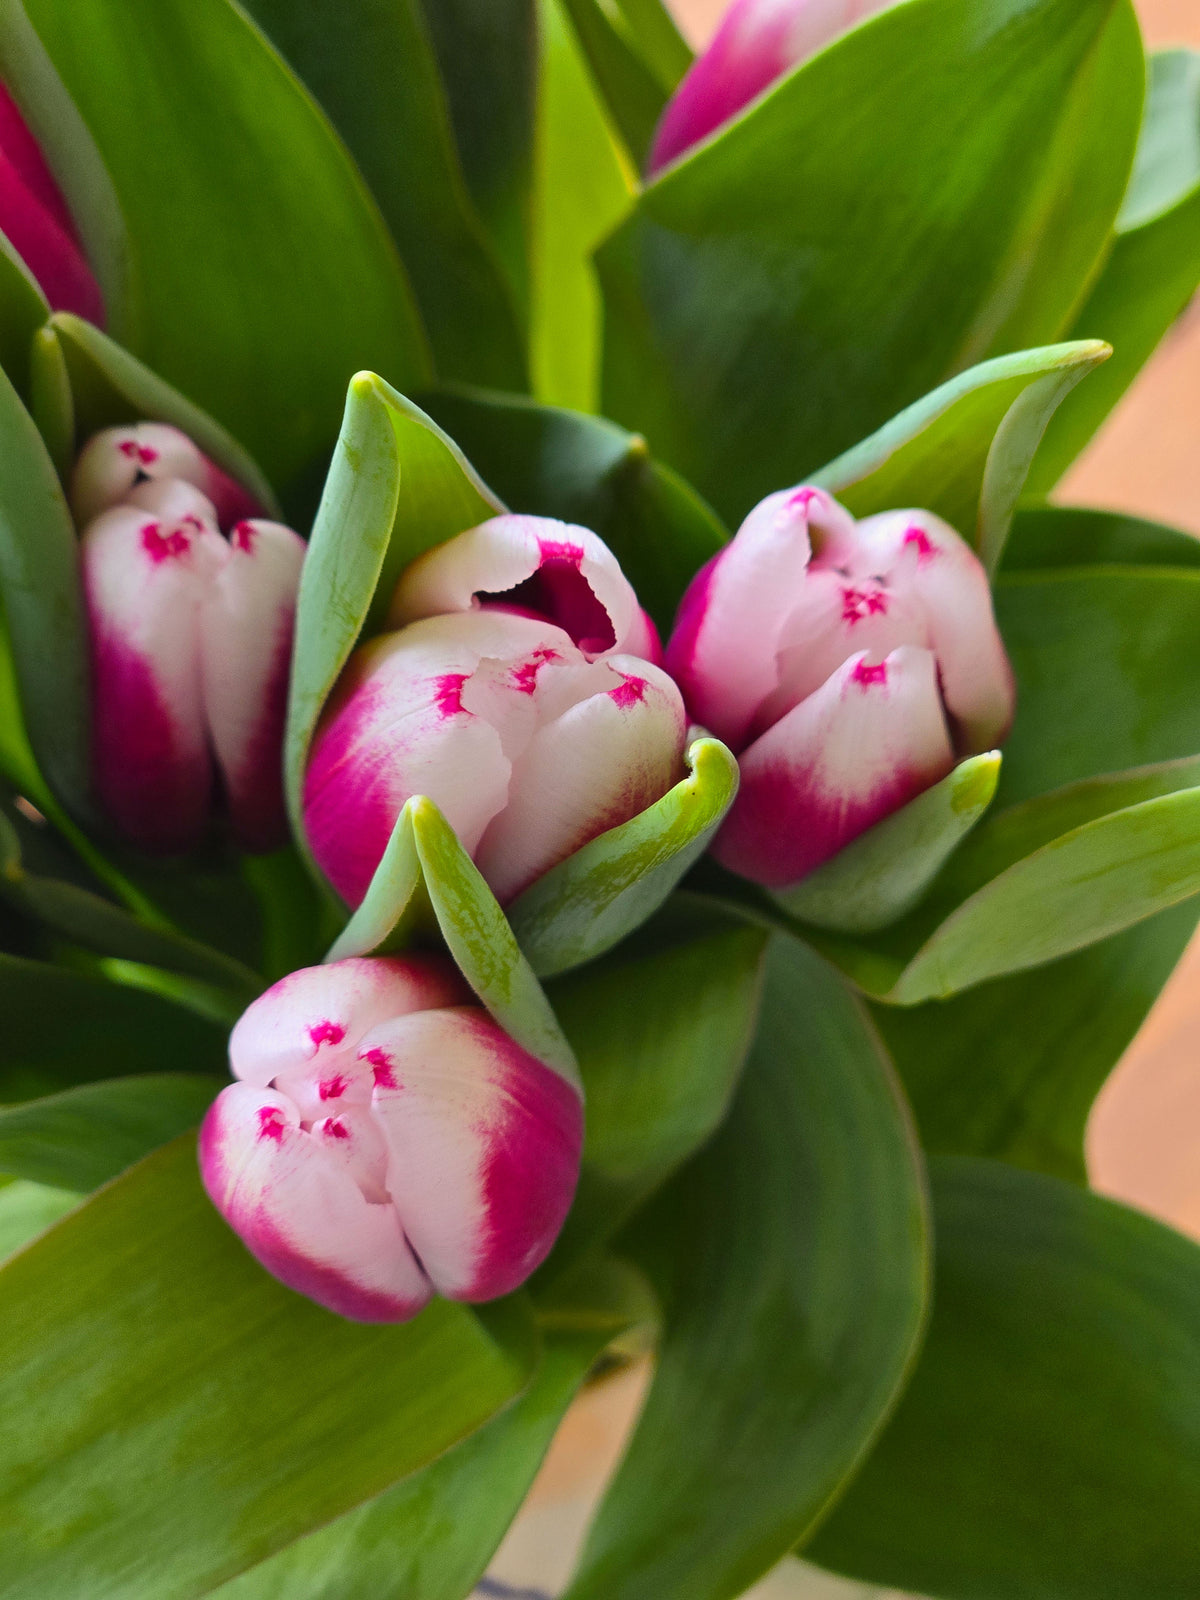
116,461
36,222
387,1141
190,648
519,710
757,42
849,664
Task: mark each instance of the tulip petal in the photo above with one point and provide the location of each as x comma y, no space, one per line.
598,763
484,1143
116,460
318,1015
302,1214
246,646
145,581
536,566
868,741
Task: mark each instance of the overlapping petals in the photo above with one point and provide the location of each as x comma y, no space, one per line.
115,461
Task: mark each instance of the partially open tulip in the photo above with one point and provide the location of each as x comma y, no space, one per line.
116,461
519,710
387,1141
35,220
190,649
757,42
848,664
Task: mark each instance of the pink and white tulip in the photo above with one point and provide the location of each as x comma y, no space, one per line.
387,1141
848,664
519,710
190,652
757,42
116,461
35,220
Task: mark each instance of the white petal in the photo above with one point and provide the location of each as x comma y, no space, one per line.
116,459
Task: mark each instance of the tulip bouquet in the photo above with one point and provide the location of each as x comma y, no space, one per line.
566,796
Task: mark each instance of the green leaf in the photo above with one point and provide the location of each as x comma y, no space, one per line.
661,1029
1153,265
632,92
63,1028
261,274
582,187
980,1086
175,1416
791,1259
27,1209
965,451
404,1545
884,872
425,864
659,40
590,901
373,69
23,310
397,486
1067,536
82,1137
558,463
779,294
1049,1441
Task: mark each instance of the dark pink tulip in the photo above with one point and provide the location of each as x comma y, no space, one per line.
519,710
849,664
36,222
757,42
190,647
387,1141
116,461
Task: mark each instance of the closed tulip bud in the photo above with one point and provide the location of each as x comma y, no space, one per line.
757,42
519,711
36,222
387,1141
116,461
190,649
849,664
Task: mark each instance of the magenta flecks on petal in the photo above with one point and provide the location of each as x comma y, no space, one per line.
116,460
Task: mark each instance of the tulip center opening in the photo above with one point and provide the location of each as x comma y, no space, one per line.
559,593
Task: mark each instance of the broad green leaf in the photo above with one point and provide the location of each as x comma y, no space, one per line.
559,463
582,187
424,865
108,387
397,486
23,310
175,1416
964,451
372,67
261,273
1010,1068
431,1536
1067,536
791,1259
661,1029
1153,265
27,1209
780,293
82,1137
632,92
1049,1441
884,872
659,40
63,1028
590,901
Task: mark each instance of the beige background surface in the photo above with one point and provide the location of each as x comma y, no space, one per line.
1145,1136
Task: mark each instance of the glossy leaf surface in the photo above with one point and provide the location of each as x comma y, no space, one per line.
1049,1441
161,1383
777,296
27,1209
790,1257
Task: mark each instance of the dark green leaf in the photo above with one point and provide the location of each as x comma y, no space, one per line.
174,1415
659,39
1066,536
632,93
83,1137
261,274
23,310
1049,1441
782,291
791,1259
